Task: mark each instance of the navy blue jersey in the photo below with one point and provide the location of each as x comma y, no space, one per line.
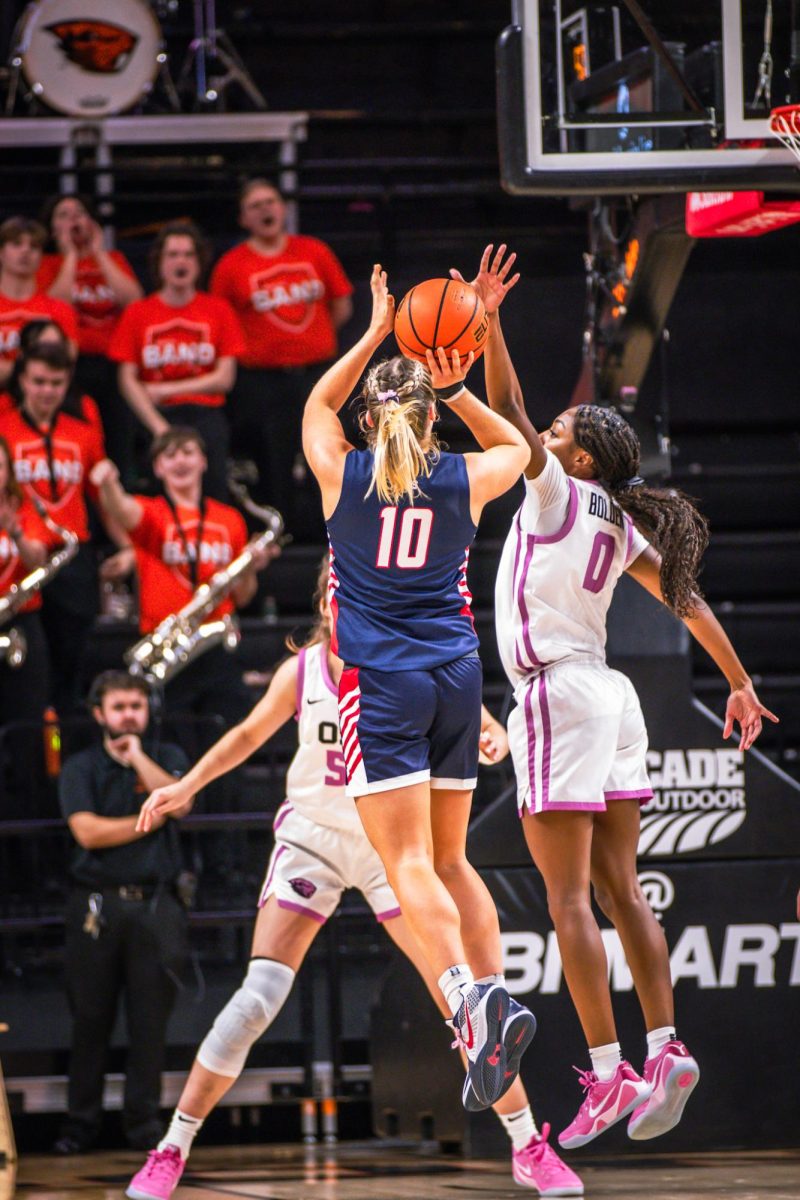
398,576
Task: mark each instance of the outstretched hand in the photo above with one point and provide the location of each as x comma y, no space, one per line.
382,322
492,283
160,803
745,708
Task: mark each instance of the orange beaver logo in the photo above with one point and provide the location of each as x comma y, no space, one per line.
94,45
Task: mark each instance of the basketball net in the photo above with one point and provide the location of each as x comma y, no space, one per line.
785,124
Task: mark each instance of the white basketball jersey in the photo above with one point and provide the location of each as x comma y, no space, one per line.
554,588
315,780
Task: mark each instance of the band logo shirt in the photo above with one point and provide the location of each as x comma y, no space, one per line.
282,301
14,314
12,568
93,300
169,344
165,557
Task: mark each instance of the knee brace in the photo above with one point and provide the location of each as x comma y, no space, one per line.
248,1013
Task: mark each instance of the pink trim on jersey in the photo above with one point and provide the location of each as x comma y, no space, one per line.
301,908
642,794
326,675
349,710
544,708
388,915
301,676
572,512
281,815
565,806
530,729
523,608
629,542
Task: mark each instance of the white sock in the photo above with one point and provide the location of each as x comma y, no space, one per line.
182,1131
605,1060
520,1126
498,977
454,982
658,1038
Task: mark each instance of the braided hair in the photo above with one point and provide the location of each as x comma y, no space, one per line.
667,517
397,396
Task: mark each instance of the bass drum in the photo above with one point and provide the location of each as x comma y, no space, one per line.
89,58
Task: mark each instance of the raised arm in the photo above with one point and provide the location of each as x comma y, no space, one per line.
492,283
744,706
117,504
324,444
272,711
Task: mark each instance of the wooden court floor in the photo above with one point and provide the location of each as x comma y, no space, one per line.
371,1171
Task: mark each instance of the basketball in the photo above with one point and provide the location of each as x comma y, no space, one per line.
441,312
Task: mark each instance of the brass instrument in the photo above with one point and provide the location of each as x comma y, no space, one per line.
13,646
183,636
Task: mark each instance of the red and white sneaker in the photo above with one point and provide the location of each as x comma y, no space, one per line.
538,1166
604,1104
673,1074
158,1177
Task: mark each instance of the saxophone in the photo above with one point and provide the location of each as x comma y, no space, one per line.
13,646
184,635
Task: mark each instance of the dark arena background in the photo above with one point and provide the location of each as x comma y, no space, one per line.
627,154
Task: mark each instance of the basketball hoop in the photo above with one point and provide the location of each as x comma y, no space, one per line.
785,124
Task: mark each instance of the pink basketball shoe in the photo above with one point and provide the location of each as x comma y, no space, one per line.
674,1075
158,1177
538,1166
604,1104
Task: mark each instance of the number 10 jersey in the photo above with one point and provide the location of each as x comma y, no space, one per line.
566,549
398,575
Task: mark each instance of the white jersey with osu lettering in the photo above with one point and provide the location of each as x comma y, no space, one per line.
315,780
567,547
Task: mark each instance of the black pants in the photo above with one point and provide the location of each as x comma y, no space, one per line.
266,420
69,605
141,945
24,695
212,425
97,377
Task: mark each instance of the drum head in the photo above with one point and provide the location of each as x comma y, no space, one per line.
89,58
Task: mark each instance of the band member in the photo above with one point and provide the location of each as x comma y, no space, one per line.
99,283
24,544
577,736
177,350
401,515
21,299
53,453
181,538
320,850
125,926
292,297
44,332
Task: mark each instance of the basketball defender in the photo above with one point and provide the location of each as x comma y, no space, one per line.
577,736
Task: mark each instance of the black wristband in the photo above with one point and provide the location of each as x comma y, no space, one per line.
451,391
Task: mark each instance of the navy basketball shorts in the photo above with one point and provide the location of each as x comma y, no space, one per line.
404,727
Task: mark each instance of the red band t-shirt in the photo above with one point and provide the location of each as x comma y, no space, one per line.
169,344
16,313
282,300
55,464
94,301
89,410
164,553
12,568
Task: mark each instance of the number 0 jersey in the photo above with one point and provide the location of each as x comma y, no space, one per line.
554,588
398,575
316,777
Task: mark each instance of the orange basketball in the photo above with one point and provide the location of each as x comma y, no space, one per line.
441,312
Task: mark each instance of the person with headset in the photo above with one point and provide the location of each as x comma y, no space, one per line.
125,925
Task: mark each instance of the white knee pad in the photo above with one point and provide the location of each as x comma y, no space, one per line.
248,1013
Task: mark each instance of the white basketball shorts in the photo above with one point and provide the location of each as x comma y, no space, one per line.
578,739
311,865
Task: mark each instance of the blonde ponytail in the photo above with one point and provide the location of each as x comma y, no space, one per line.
398,395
